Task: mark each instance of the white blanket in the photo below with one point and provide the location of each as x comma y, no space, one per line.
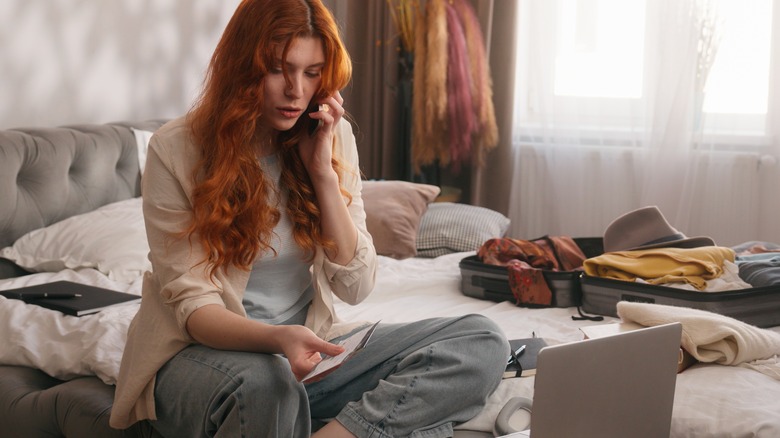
68,346
710,400
65,346
710,337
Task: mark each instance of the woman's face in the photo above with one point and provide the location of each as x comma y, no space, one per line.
284,104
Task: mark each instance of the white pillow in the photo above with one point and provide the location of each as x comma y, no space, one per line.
142,143
111,239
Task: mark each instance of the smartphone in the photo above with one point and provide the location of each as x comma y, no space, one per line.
313,124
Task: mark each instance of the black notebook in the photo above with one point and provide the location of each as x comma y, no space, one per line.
527,365
70,298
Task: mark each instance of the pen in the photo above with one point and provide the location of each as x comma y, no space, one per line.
47,295
515,357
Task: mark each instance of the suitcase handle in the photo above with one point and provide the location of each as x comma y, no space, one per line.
494,284
498,297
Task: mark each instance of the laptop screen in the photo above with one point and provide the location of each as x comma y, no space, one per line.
614,386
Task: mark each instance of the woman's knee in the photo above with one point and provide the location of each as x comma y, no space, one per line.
233,393
264,401
269,369
491,335
271,384
487,346
231,371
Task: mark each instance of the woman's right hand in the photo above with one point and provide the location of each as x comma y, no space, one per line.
303,348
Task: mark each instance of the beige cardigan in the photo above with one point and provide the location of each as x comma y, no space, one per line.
178,285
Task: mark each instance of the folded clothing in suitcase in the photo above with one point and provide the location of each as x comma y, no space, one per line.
660,254
491,282
759,306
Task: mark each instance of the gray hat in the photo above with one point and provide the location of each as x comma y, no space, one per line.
647,228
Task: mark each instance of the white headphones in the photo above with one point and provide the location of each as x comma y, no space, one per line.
514,417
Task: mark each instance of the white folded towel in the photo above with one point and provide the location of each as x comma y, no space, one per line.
711,337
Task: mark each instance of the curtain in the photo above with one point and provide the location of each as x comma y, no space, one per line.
579,161
371,99
491,185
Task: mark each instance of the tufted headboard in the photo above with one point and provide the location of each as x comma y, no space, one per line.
49,174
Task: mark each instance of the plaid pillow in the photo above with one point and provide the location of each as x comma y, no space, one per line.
449,227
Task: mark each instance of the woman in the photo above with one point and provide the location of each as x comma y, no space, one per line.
253,222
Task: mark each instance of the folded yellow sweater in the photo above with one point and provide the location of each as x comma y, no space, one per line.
662,265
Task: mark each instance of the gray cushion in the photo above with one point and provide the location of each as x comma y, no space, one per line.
33,404
49,174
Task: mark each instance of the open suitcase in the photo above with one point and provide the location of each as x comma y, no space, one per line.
491,282
759,306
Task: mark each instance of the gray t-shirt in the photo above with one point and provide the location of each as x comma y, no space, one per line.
280,288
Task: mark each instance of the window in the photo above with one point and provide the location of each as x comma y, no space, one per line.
600,49
592,64
737,89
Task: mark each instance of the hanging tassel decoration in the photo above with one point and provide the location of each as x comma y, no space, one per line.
460,108
454,121
486,136
428,143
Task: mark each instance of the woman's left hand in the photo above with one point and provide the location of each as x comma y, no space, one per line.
316,151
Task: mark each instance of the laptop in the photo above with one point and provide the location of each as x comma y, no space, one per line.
615,386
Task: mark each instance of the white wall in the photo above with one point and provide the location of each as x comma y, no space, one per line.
84,61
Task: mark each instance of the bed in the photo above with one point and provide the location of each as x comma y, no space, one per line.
70,210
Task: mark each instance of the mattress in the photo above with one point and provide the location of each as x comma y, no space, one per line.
710,399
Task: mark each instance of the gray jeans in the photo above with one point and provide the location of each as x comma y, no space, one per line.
416,379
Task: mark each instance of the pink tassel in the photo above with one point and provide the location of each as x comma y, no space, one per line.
486,135
461,114
475,48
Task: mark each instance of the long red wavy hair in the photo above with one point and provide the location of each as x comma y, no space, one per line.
232,217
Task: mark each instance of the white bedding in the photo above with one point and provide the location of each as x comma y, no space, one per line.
710,400
61,345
